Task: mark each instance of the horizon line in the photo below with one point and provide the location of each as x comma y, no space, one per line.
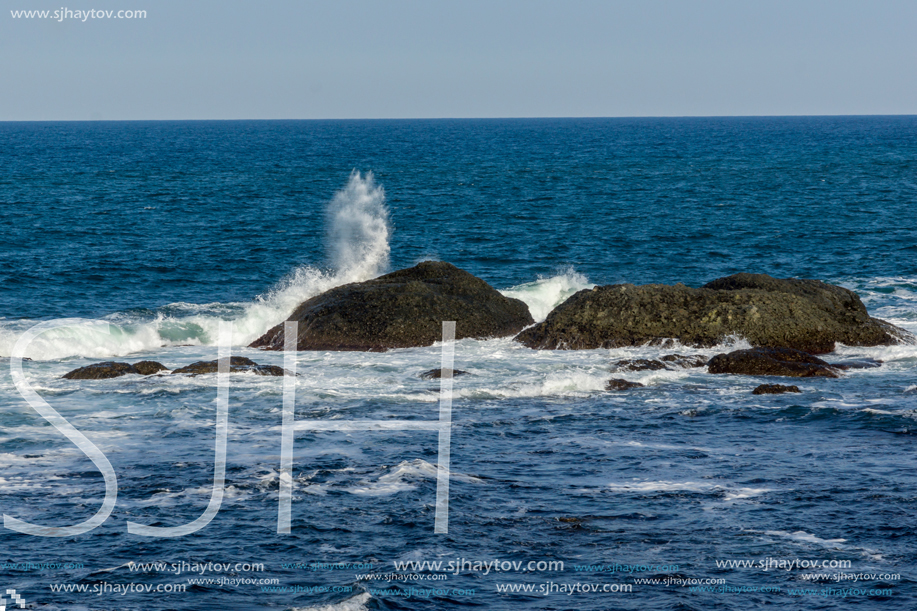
788,116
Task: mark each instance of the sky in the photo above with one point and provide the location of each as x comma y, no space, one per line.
338,59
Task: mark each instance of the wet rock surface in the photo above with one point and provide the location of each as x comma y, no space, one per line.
771,362
619,384
774,389
670,361
401,310
112,369
435,374
237,364
807,315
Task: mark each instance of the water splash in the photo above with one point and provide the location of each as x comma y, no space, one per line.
358,232
544,294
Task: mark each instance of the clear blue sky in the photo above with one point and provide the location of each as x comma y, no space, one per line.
288,59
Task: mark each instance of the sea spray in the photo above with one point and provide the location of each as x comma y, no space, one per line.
358,229
546,293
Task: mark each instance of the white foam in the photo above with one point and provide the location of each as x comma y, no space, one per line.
546,293
401,477
357,603
801,535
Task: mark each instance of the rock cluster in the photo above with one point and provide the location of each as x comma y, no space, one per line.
111,369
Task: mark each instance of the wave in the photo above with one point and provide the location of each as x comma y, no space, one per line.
358,231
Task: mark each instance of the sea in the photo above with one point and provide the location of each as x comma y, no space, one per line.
136,240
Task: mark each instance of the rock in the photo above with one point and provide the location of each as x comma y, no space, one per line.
694,360
806,315
771,362
639,365
401,310
619,384
237,364
774,389
435,374
146,368
111,369
858,364
101,371
670,361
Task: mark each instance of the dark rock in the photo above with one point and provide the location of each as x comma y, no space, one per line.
774,389
619,384
237,364
858,364
101,371
806,315
694,360
400,310
771,362
435,374
146,368
639,365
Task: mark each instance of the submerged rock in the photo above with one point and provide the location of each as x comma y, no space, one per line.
772,362
639,365
694,360
858,364
619,384
402,310
111,369
806,315
774,389
237,364
670,361
435,374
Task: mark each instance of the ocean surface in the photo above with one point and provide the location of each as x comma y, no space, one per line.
165,229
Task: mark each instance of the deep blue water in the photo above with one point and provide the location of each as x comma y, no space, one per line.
165,228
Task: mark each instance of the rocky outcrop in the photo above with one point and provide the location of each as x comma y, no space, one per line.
111,369
620,384
237,364
772,362
435,374
774,389
806,315
401,310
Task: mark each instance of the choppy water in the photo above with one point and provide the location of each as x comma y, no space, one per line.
165,229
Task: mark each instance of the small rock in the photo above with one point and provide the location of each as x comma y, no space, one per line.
771,362
101,371
639,365
146,368
435,374
619,384
774,389
237,364
858,364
